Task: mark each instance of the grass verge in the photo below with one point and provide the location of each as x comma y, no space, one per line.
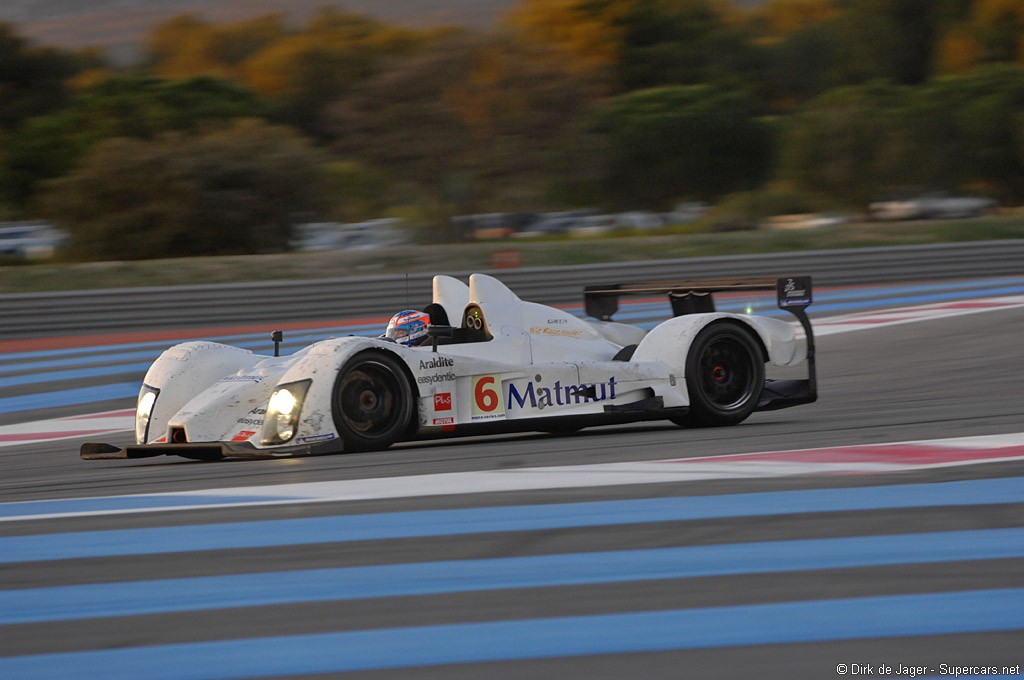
678,242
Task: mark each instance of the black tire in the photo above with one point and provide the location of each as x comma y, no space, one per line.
372,403
724,376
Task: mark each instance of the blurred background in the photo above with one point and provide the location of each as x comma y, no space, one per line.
139,130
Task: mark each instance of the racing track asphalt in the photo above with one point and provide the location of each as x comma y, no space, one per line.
946,378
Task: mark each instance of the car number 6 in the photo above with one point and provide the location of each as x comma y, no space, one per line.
486,398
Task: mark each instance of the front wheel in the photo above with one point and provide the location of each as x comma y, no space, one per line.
724,376
372,402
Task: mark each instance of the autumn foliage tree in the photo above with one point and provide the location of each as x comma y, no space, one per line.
301,70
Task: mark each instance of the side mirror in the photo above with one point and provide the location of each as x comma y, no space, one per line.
435,332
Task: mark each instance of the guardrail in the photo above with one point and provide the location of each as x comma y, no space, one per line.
28,315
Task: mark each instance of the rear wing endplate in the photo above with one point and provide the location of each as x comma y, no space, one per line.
793,294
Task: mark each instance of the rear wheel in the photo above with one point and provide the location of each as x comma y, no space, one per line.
372,402
724,376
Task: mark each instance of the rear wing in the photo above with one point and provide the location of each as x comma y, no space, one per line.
691,297
792,293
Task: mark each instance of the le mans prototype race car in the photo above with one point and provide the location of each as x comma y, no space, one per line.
505,365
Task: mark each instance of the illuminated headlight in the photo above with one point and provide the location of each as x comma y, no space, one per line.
283,412
143,412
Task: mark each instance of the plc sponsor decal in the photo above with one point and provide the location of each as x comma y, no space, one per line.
243,435
435,363
443,401
488,403
533,396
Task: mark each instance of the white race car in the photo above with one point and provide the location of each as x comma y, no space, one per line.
506,365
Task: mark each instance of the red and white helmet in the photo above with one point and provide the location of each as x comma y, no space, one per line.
408,327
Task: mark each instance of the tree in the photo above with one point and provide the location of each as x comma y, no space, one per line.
400,119
186,46
122,106
681,42
846,143
230,190
32,80
777,20
301,71
587,30
521,98
646,43
980,113
677,141
983,31
954,133
810,46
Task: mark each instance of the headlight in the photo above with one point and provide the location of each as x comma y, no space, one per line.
283,412
143,411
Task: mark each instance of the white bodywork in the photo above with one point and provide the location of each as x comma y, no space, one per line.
541,362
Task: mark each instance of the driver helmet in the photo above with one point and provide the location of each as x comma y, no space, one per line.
408,327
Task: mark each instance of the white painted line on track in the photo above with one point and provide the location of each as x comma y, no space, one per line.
845,460
891,317
92,425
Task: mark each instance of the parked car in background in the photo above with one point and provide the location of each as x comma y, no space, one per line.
377,233
684,213
31,240
552,223
638,219
931,208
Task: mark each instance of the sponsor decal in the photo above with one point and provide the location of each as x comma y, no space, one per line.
488,403
242,378
317,438
436,378
444,421
532,396
443,401
436,362
795,292
561,332
253,422
243,435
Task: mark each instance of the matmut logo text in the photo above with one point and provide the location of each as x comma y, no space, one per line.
559,394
